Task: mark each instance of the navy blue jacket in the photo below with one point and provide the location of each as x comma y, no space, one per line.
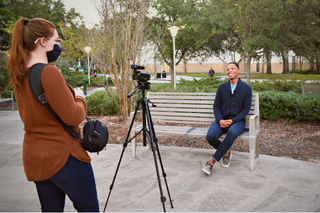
232,106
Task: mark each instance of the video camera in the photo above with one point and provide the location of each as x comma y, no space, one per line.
138,75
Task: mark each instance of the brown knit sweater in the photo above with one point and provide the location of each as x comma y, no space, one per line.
46,145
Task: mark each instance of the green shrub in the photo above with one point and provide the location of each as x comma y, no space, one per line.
278,99
97,81
289,106
75,79
4,75
211,85
101,103
4,78
204,85
284,86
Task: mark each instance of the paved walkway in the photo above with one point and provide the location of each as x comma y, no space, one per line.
277,184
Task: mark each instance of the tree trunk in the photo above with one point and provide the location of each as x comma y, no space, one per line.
185,65
317,66
285,60
268,57
263,58
248,69
171,72
300,63
311,62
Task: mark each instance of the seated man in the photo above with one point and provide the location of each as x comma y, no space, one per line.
231,105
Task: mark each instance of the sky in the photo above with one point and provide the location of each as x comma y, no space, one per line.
86,8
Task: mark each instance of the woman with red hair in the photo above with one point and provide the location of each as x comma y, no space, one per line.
52,158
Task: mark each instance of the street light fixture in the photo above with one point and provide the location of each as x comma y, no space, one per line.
88,51
174,31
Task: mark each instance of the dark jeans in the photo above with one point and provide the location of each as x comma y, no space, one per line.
76,180
215,131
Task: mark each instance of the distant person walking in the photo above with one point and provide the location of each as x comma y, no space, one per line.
211,72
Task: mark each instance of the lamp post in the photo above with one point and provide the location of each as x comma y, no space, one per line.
174,31
88,51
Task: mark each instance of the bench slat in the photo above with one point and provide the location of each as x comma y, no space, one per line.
183,108
182,101
183,97
5,99
156,109
177,94
170,114
176,118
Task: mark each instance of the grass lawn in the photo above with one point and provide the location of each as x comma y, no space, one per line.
301,77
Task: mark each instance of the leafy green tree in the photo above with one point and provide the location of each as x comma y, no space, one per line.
194,39
73,44
52,10
293,29
306,30
241,22
6,21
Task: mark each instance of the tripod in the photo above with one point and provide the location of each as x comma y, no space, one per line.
148,131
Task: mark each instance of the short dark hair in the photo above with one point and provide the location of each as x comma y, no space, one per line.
234,64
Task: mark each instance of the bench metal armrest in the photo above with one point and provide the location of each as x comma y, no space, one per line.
254,125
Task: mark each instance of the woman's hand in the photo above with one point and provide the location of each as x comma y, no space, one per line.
79,92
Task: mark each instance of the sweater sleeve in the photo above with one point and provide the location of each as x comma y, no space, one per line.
217,105
246,105
71,110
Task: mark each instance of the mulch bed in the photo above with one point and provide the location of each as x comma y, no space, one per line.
299,140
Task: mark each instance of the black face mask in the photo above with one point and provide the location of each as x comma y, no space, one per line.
54,54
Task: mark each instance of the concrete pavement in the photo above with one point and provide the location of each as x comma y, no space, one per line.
277,185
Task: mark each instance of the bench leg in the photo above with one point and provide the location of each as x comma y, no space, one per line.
253,151
257,146
133,144
12,106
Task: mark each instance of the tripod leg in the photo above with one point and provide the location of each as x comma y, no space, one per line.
162,198
150,123
152,137
124,147
163,172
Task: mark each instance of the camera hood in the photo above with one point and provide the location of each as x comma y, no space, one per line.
137,67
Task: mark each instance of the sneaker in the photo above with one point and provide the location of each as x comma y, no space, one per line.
225,161
207,168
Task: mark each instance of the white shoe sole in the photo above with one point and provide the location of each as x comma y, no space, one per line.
225,166
206,171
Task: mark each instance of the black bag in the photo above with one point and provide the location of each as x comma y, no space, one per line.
95,136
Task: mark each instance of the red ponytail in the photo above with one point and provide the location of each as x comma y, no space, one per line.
24,35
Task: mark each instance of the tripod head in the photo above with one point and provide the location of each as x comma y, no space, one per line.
142,79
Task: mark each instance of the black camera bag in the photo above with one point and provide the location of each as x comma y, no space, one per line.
95,136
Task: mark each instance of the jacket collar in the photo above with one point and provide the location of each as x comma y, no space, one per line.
238,85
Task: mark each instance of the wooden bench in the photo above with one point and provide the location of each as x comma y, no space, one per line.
8,99
192,114
311,89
